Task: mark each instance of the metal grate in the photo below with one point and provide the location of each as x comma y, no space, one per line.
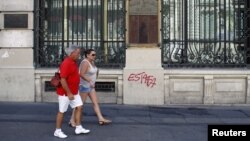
48,87
105,86
99,86
204,33
15,20
96,24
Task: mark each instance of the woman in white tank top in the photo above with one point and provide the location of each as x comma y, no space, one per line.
88,74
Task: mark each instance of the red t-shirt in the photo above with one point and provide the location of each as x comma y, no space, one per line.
69,71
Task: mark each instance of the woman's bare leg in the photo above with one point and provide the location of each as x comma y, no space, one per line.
96,106
72,121
84,97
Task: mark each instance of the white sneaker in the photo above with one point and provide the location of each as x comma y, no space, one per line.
81,130
60,134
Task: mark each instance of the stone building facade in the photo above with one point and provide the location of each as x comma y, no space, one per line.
169,52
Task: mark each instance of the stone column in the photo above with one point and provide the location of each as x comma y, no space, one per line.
248,90
16,50
38,89
167,89
143,77
120,90
208,89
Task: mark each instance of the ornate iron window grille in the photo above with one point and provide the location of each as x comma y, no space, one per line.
205,33
96,24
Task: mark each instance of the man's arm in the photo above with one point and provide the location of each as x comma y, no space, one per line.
66,88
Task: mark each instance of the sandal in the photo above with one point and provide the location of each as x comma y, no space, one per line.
104,122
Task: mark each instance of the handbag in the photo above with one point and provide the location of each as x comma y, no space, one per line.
55,80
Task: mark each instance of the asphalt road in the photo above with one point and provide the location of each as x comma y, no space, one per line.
36,122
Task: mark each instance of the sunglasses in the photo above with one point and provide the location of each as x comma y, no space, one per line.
92,54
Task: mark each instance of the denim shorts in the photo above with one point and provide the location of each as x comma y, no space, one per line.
83,89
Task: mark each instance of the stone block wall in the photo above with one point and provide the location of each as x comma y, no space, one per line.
16,52
44,75
208,87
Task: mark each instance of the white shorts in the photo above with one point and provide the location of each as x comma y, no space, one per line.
64,102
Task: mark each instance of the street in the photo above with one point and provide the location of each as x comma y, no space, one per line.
36,122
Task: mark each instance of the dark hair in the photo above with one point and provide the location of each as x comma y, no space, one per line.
88,51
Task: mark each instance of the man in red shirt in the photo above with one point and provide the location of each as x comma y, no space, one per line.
68,92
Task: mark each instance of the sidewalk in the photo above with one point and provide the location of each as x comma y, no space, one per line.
36,122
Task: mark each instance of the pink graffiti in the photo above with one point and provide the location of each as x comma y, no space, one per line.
142,77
